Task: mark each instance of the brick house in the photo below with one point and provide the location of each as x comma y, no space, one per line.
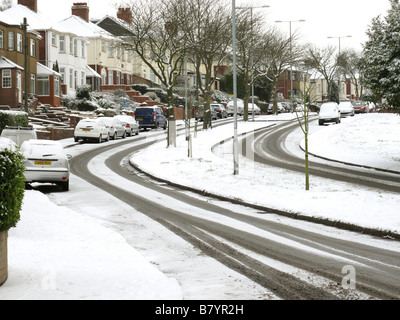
58,46
12,64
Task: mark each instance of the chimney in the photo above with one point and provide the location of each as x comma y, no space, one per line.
81,9
124,14
31,4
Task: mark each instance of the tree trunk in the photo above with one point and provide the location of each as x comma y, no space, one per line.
3,257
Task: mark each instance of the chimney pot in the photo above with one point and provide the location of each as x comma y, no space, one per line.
31,4
81,9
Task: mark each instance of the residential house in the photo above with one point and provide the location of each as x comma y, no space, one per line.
58,46
12,61
105,55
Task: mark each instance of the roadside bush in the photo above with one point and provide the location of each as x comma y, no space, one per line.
12,187
13,118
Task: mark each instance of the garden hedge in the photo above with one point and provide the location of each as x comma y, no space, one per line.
13,119
12,187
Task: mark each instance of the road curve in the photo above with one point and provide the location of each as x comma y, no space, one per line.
248,244
269,150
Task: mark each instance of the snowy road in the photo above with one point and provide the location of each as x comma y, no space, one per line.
289,261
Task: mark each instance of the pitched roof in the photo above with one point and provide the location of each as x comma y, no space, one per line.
8,64
81,27
16,14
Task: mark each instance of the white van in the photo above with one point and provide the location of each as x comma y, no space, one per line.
19,134
329,112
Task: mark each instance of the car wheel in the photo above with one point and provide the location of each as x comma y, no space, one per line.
124,135
76,139
114,136
100,140
65,185
108,138
321,122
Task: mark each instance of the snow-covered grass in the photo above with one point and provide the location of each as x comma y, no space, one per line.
364,139
74,246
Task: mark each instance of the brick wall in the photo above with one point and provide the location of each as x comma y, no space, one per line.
3,257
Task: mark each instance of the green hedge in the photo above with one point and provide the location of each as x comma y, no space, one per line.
13,118
12,188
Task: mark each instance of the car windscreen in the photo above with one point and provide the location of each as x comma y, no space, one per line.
144,111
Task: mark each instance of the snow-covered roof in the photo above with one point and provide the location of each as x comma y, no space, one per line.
91,73
42,70
8,64
83,28
16,14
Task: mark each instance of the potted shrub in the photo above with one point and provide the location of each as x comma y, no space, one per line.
12,187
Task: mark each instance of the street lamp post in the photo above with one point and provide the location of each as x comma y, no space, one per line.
291,55
235,134
252,58
339,56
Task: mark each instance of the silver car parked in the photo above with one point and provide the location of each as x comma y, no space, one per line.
46,161
115,127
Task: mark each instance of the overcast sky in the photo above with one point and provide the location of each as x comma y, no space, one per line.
332,18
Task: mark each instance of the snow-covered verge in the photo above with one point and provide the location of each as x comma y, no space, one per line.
56,253
352,140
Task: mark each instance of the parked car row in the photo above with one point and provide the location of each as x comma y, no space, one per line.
106,128
282,107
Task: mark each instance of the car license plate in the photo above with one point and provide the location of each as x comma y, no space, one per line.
43,163
86,130
139,119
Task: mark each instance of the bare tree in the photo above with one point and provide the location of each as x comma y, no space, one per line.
303,119
158,40
252,45
349,62
283,52
6,4
322,61
207,25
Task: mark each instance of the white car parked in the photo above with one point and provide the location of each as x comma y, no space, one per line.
91,129
346,109
115,127
46,161
329,112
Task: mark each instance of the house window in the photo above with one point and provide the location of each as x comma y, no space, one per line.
103,77
71,78
33,83
76,79
1,39
110,50
62,43
83,78
83,49
19,42
33,48
11,40
103,46
71,45
54,39
110,77
62,71
6,75
57,86
43,86
118,77
75,48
